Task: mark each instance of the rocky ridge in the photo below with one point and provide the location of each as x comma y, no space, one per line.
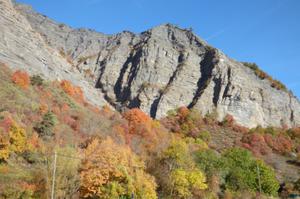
156,70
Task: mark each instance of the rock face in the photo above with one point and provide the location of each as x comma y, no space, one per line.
157,70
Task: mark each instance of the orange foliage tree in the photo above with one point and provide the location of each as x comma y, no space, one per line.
113,171
21,78
138,121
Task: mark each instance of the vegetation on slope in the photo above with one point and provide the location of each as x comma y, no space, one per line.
263,75
105,154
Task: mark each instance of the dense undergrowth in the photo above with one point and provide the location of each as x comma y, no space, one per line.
104,154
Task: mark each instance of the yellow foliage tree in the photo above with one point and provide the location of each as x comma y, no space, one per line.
186,182
178,174
17,139
4,145
13,141
113,171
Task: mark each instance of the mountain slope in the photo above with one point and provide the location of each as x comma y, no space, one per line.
22,47
164,68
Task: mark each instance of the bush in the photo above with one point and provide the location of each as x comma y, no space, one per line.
205,136
209,162
21,79
36,80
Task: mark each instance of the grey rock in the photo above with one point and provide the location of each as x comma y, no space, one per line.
157,70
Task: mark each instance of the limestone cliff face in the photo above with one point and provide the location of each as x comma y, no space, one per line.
157,70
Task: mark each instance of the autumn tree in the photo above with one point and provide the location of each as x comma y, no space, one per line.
17,139
21,78
4,145
113,171
14,141
139,122
178,174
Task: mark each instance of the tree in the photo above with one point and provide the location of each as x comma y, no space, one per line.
178,175
113,171
185,182
4,146
243,173
139,122
13,141
17,139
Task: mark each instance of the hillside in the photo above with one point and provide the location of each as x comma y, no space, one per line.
94,146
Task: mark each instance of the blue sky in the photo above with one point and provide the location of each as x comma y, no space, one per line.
263,31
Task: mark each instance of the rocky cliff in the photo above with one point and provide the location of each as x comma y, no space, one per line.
156,70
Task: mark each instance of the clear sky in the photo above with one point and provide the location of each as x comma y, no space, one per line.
263,31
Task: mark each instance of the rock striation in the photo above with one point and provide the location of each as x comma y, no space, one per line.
157,70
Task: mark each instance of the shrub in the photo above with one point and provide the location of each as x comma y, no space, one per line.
36,80
256,143
21,79
209,162
205,136
228,121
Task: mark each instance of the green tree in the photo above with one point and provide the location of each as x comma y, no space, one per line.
244,173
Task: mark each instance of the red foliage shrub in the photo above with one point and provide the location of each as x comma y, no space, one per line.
256,143
65,107
73,121
183,112
21,79
228,121
43,108
294,132
240,129
6,123
171,124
